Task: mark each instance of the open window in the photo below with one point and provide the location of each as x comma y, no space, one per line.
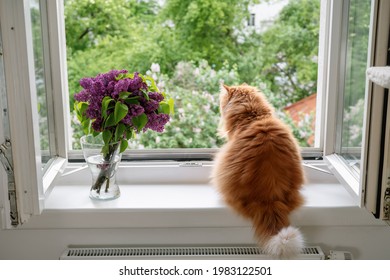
375,181
34,105
356,109
353,36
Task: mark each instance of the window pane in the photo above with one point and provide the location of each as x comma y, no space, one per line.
40,80
355,79
189,47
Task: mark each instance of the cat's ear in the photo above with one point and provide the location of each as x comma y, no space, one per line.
244,84
224,89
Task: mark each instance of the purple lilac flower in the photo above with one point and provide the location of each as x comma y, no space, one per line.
120,86
136,84
97,124
114,73
156,96
99,87
82,96
151,106
86,83
134,111
156,122
106,84
127,119
110,86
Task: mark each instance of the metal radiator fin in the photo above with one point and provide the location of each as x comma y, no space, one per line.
239,252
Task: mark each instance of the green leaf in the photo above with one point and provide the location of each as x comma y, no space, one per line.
151,83
105,103
132,101
120,76
123,146
129,75
86,126
124,95
107,135
171,104
145,95
95,133
140,121
164,108
80,108
120,111
110,121
130,133
120,129
105,150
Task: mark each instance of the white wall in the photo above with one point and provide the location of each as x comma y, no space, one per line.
329,219
364,242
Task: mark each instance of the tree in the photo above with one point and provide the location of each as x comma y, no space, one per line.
289,50
207,29
89,21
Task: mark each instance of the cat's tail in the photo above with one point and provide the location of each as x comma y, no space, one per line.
272,228
286,244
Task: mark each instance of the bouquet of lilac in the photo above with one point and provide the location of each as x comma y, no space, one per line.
118,105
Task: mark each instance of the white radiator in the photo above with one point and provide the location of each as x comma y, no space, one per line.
185,253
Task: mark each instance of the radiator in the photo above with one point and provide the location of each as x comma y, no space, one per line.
185,253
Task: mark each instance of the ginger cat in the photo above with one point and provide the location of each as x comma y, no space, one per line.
259,171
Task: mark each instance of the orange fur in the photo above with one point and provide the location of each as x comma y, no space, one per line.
258,171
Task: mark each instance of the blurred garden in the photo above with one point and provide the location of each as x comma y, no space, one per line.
189,47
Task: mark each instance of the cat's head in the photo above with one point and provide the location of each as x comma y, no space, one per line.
240,105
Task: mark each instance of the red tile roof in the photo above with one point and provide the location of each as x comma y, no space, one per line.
301,108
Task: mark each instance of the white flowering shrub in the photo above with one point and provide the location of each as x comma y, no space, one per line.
195,89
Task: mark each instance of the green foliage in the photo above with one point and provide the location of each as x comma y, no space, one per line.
90,21
196,43
206,29
289,51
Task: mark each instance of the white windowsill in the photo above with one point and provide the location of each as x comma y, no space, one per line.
188,201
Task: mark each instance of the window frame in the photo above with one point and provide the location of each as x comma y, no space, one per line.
24,129
31,181
377,123
347,175
23,123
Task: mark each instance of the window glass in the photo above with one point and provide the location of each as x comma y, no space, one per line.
190,47
355,79
40,79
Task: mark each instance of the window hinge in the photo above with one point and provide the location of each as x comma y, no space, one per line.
6,160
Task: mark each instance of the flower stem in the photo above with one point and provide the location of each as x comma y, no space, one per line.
106,169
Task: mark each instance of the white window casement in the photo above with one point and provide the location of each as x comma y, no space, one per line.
360,170
49,183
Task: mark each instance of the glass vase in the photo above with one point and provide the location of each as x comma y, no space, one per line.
103,167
